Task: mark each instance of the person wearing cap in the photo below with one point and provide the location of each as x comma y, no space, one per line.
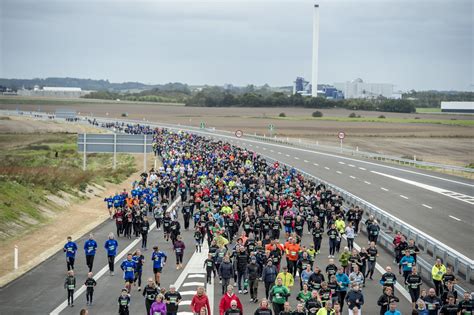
253,275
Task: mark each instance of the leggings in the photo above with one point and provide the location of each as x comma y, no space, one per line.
144,239
138,277
371,269
70,297
179,258
342,296
111,260
332,246
70,263
438,287
90,261
89,294
317,243
414,294
350,243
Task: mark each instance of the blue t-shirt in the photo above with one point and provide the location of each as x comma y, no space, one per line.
89,247
128,267
409,263
158,259
70,248
111,247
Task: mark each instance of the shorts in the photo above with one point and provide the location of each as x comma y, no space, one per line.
288,229
132,279
157,270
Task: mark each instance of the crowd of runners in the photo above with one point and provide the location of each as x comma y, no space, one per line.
253,216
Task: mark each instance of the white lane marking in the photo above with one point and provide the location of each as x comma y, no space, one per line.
457,219
297,158
257,146
264,149
352,165
341,163
186,313
327,168
191,284
444,192
279,152
271,150
333,155
306,161
353,177
250,145
185,303
102,271
198,275
339,172
287,155
315,164
426,206
404,197
384,189
368,183
362,169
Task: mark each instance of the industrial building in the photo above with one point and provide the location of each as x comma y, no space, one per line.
54,91
301,86
457,107
360,89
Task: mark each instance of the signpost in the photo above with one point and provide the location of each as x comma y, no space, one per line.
202,125
239,133
114,143
271,127
341,135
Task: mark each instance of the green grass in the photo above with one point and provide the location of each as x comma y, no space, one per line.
30,170
428,110
450,122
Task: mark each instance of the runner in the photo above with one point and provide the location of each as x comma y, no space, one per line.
150,292
90,247
70,286
199,301
124,302
70,248
172,298
158,307
227,298
139,260
128,267
179,247
90,285
159,260
111,246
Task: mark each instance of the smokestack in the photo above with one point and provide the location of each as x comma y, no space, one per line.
314,74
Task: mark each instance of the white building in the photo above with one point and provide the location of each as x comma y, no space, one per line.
54,91
359,89
457,107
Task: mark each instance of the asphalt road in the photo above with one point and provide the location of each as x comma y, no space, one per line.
439,205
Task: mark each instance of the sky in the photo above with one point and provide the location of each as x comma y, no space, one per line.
413,44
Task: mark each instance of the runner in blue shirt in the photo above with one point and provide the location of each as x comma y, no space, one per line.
70,248
159,261
111,246
128,266
89,248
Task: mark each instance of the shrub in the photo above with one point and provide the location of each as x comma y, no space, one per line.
382,117
282,115
317,114
417,117
352,115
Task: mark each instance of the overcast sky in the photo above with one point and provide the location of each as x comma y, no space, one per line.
413,44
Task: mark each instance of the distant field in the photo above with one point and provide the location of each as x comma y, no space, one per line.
428,110
451,122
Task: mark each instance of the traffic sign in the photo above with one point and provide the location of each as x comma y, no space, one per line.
271,127
341,135
239,133
203,125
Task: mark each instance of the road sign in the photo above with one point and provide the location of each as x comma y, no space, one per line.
341,135
271,127
203,125
239,133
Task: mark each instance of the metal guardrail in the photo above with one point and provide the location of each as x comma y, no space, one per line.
432,248
462,267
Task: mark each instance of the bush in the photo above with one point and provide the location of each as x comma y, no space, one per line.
317,114
417,117
282,115
352,115
382,117
124,114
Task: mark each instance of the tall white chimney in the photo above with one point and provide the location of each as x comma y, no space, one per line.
314,74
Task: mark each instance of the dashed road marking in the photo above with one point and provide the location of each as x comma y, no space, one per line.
339,172
457,219
297,158
287,155
257,146
353,177
315,164
384,189
362,169
426,206
327,168
271,150
341,163
264,149
279,152
306,161
368,183
352,165
404,197
198,275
